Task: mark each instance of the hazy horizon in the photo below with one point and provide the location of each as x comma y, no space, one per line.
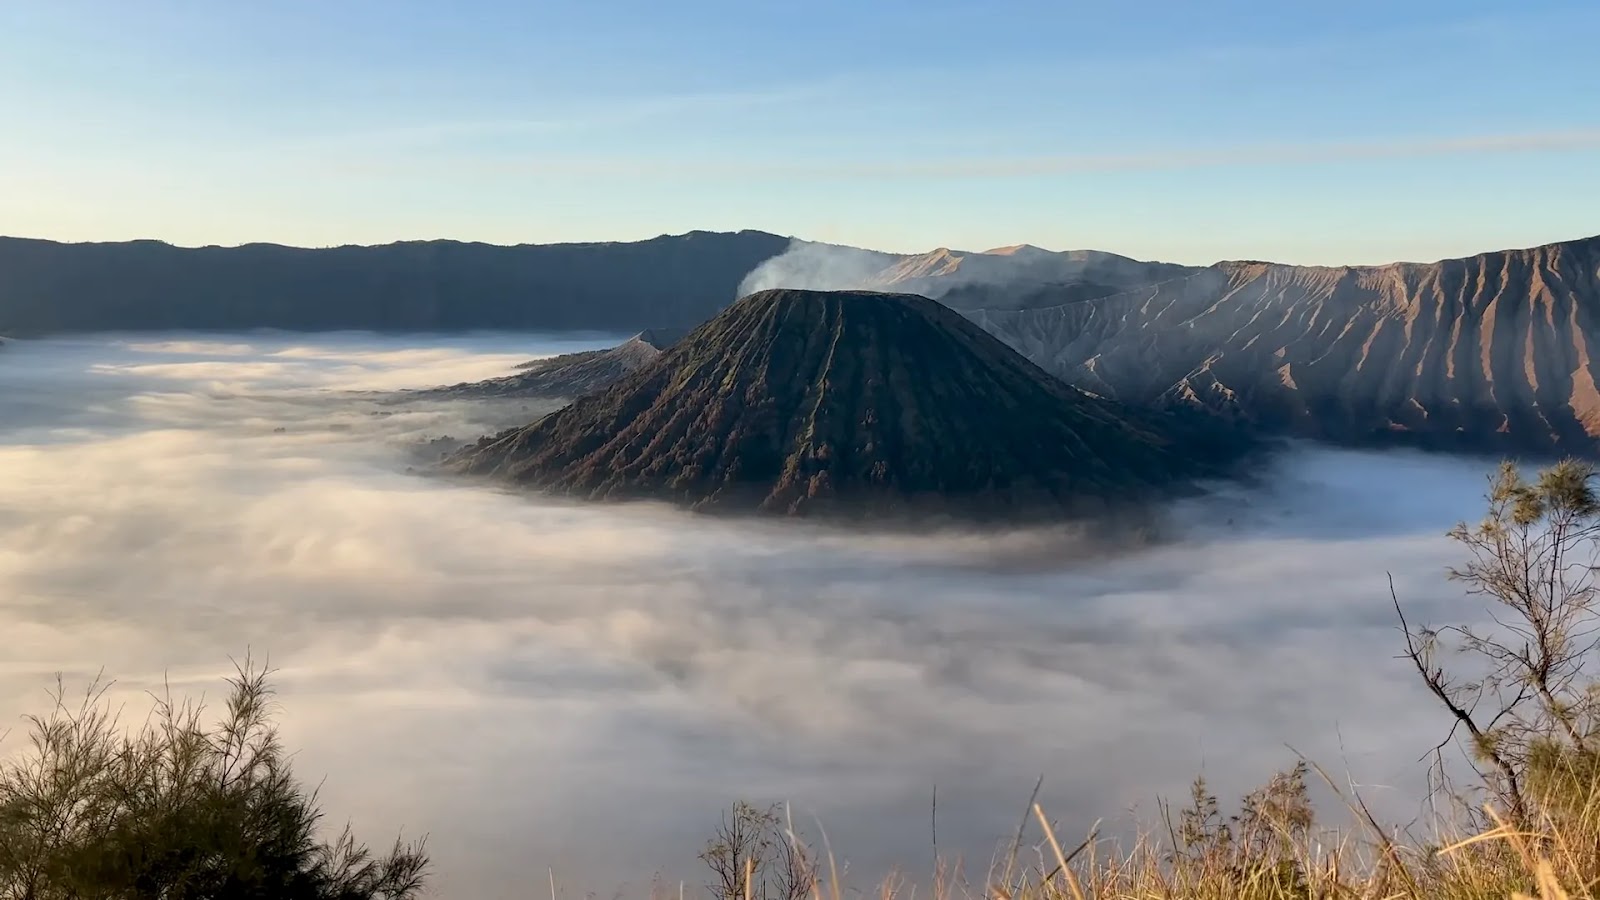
541,684
799,240
1361,133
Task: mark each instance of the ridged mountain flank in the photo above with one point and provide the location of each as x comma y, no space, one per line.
570,374
851,403
1496,352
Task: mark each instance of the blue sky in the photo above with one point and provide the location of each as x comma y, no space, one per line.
1359,131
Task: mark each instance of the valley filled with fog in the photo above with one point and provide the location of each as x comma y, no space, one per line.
540,684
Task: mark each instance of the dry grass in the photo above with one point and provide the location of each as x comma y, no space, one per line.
1272,848
1272,851
1555,861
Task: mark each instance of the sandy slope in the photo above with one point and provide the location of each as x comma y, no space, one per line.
1494,351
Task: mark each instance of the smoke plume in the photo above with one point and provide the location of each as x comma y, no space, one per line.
808,265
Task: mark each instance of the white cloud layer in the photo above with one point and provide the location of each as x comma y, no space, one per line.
540,684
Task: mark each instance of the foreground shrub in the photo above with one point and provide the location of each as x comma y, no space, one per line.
177,810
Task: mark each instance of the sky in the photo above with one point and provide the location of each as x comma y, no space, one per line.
1356,132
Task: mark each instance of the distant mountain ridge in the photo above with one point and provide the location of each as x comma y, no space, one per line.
1493,352
943,269
1498,351
1004,277
669,281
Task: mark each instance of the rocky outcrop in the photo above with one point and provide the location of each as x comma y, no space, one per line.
566,376
849,403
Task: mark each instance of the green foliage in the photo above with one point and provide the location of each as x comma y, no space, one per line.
178,810
1523,691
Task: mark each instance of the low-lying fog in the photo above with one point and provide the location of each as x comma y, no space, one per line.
584,688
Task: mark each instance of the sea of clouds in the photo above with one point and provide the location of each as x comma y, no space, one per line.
542,685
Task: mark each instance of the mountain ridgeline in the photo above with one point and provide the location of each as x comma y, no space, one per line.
1488,353
1491,353
567,375
670,281
851,404
1498,352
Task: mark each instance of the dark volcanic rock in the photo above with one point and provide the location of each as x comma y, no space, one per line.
661,338
658,338
565,376
801,402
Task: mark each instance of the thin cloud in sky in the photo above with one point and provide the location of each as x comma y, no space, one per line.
852,85
634,112
1250,154
1291,154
